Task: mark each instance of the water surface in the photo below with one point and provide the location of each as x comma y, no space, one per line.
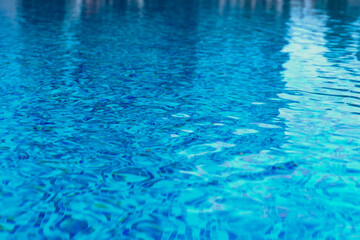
179,119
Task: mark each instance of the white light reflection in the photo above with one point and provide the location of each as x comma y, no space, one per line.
319,117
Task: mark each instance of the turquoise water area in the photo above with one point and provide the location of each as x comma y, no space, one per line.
179,119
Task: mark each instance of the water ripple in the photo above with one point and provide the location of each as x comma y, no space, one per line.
147,119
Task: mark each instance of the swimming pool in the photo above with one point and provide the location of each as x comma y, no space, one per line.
180,119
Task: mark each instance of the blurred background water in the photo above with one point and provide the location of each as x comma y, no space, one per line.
180,119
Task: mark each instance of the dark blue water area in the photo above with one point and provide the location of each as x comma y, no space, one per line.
179,119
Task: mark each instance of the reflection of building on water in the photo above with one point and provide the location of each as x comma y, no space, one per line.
9,40
262,4
139,3
9,9
94,6
89,7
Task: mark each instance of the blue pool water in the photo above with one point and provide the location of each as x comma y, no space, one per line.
179,119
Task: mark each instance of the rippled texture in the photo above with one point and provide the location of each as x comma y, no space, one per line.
180,119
